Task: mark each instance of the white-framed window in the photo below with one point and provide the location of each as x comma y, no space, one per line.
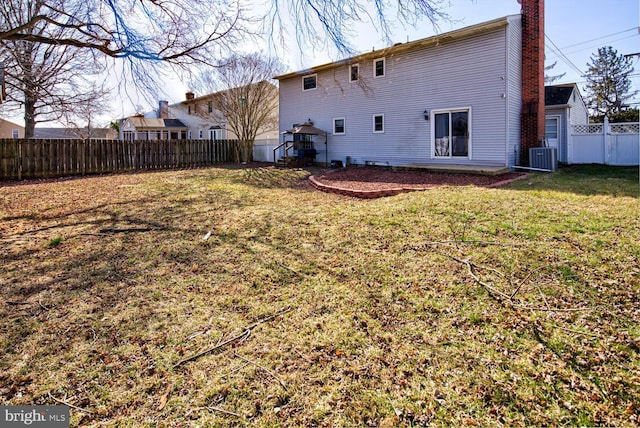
354,72
378,67
338,126
451,133
200,134
15,133
210,106
189,134
216,133
309,82
378,123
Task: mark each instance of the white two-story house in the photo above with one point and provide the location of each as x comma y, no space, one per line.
455,98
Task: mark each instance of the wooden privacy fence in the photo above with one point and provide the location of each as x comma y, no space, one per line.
21,159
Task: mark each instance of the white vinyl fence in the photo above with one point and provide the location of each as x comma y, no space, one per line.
605,143
263,150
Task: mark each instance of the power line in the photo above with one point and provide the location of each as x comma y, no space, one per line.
599,38
563,56
609,42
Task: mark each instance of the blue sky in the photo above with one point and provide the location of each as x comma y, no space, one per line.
577,28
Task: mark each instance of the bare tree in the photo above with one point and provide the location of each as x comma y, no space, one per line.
46,81
245,95
188,31
149,38
81,120
177,31
316,21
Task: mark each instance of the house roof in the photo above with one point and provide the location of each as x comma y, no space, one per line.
436,40
558,95
66,133
153,122
212,96
12,124
305,128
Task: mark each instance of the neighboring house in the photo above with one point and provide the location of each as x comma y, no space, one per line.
206,122
201,118
10,129
160,127
564,107
471,97
75,133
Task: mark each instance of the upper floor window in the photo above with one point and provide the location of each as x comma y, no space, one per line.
15,133
210,106
378,67
338,126
354,73
309,82
378,123
189,107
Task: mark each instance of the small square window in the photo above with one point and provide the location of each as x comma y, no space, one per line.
378,123
378,67
338,126
15,133
354,73
309,82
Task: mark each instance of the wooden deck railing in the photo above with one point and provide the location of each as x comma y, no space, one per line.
20,159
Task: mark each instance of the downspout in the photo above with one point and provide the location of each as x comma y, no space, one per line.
326,151
506,94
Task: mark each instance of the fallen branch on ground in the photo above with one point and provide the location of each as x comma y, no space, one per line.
273,375
129,229
68,404
246,332
226,412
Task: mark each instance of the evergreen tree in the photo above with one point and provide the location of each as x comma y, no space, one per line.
548,78
608,84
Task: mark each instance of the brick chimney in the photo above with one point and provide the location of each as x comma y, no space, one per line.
163,110
532,113
189,96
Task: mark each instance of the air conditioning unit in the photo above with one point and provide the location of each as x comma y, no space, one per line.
543,158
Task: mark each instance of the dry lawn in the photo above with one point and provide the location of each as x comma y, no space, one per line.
455,306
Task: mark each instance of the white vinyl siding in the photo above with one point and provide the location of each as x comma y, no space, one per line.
473,72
